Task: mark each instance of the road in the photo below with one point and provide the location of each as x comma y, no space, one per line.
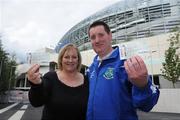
24,111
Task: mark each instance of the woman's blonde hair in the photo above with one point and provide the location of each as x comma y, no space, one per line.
62,52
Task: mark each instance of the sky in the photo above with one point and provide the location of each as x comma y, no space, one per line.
29,25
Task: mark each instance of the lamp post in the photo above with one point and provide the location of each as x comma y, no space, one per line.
152,51
9,87
1,65
151,67
150,56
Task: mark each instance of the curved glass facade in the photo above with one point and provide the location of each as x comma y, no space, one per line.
128,19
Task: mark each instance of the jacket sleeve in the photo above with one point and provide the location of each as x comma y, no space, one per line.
145,99
39,94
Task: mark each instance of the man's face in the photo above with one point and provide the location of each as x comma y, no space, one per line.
100,40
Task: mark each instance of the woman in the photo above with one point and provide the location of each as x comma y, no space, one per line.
64,93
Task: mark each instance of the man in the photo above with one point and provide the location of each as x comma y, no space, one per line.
117,87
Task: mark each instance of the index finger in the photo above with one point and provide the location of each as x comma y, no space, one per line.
34,68
140,61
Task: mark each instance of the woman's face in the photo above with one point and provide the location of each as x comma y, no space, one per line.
70,60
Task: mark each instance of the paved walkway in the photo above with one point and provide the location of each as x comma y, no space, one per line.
3,105
158,116
35,114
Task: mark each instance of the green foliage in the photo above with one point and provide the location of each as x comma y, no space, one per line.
171,66
7,70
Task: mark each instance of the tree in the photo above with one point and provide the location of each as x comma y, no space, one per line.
171,66
7,71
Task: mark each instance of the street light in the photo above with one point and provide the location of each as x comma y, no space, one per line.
150,56
1,65
9,87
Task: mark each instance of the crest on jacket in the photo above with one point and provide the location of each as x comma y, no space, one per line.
109,73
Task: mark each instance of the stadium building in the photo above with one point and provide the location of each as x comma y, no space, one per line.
128,19
140,27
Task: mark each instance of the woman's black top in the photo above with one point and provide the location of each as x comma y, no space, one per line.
61,102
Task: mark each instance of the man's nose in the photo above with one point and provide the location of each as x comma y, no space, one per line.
97,40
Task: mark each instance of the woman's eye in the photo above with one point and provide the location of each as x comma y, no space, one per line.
74,57
67,57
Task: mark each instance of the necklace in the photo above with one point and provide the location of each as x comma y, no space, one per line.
72,81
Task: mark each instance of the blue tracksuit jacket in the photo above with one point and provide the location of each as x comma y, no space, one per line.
112,96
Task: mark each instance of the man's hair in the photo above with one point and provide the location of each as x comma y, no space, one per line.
99,23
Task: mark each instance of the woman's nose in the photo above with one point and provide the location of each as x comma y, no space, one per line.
70,59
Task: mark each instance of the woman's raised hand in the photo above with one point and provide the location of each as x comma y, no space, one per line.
34,75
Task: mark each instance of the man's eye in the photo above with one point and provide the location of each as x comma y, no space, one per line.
101,35
92,37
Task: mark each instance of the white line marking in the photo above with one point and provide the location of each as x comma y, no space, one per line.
24,107
7,108
17,116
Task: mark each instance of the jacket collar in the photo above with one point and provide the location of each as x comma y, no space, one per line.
113,54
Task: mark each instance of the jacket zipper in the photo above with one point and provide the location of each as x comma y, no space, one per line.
96,82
